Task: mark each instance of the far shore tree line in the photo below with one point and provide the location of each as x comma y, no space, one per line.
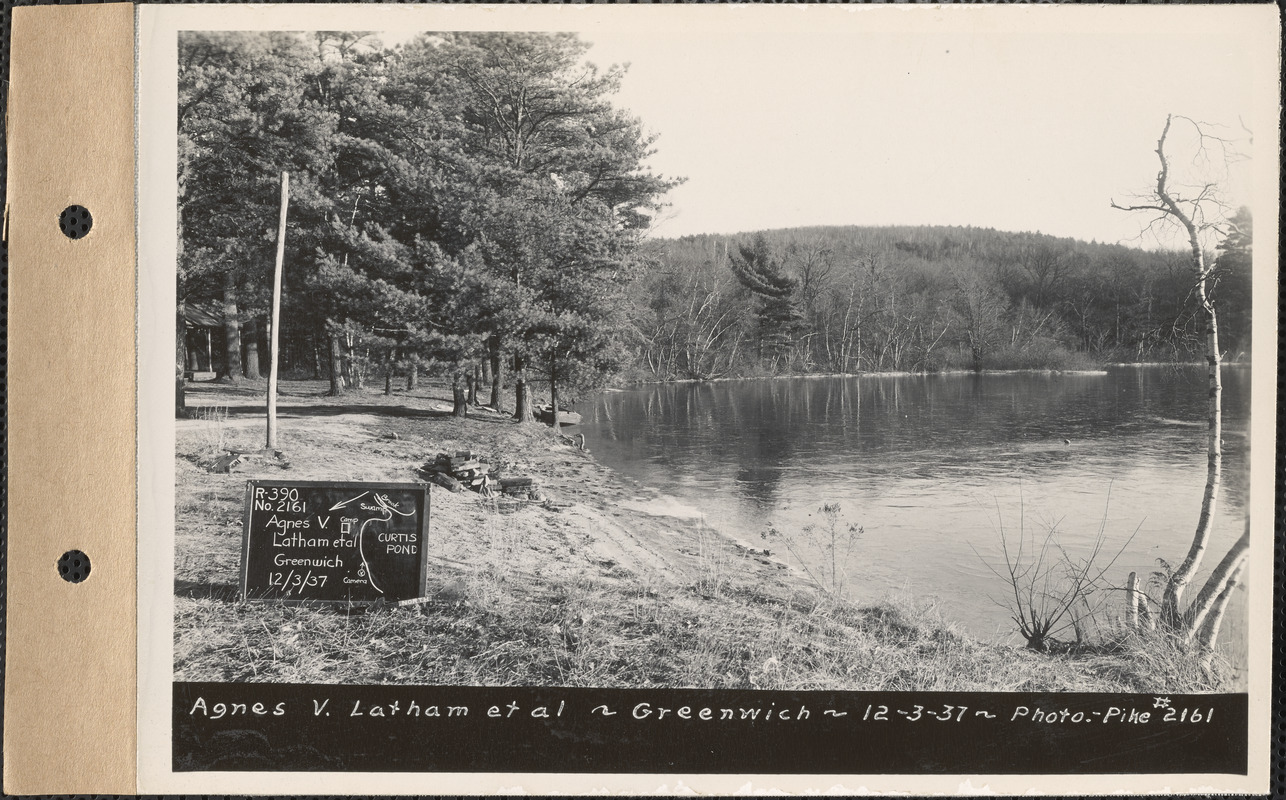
923,299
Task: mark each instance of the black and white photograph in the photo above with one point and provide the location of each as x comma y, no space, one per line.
730,394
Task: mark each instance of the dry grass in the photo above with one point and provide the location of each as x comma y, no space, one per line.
213,431
591,632
1143,660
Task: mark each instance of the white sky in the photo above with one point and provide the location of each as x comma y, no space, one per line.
997,125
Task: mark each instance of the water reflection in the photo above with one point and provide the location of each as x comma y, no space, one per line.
933,466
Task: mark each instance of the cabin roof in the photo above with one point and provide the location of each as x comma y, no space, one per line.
202,315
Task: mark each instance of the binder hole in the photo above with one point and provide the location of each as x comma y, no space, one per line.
75,221
74,565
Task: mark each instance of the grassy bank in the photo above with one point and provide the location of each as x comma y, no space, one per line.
586,591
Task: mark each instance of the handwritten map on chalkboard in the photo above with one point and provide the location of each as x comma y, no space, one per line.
318,541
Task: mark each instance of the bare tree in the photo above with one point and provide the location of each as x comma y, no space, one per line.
1200,212
981,308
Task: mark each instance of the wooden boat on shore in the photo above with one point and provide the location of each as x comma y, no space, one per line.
546,415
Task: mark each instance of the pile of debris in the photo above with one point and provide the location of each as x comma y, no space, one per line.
464,470
458,471
233,460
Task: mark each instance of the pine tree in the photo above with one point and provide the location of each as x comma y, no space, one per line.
244,117
779,316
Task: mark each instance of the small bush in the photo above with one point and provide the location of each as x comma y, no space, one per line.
1049,592
1039,354
823,550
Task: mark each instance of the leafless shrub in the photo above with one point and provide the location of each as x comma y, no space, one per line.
1051,592
214,428
822,551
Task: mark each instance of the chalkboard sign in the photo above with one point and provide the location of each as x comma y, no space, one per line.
307,541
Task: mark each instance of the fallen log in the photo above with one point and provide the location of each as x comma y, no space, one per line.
446,482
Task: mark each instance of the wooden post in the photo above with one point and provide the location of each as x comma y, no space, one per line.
271,444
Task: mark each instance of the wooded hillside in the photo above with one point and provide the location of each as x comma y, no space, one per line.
852,299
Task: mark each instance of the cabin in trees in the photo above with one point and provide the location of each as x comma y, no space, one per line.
205,354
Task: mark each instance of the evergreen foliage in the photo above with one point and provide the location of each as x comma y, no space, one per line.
778,311
466,194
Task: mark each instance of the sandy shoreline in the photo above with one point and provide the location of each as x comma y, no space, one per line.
616,519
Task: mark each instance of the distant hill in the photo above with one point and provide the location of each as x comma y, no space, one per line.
916,298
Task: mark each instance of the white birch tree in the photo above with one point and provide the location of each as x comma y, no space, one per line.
1199,212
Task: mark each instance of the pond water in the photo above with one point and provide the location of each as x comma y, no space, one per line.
933,467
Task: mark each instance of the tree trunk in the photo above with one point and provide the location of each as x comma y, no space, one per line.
485,367
471,381
553,391
413,375
497,376
181,363
180,320
1214,455
1224,575
460,403
1209,631
354,371
336,366
522,395
388,373
252,350
477,382
231,330
858,351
